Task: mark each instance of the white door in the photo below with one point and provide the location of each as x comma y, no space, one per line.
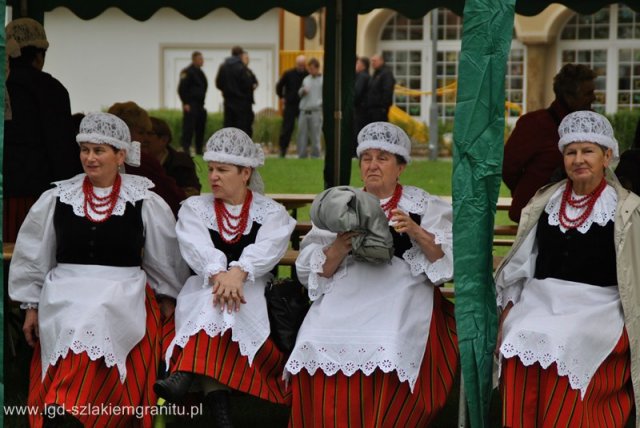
260,62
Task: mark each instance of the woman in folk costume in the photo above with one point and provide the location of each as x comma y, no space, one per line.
569,290
378,347
95,263
232,239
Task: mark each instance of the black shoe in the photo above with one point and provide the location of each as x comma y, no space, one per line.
174,387
217,402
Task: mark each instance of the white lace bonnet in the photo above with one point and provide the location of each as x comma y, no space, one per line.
587,126
235,147
106,128
384,136
26,32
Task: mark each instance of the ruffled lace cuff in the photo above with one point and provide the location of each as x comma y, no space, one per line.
319,285
508,294
29,305
248,268
209,271
439,271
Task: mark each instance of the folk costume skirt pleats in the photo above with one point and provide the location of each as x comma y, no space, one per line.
533,397
92,392
381,400
219,358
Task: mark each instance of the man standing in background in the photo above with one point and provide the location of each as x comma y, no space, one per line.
359,99
380,91
192,90
287,89
236,86
310,120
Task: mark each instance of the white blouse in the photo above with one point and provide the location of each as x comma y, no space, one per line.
367,317
194,311
93,308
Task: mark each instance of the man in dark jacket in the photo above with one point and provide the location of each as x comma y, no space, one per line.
236,86
192,90
287,90
531,155
380,91
359,98
39,141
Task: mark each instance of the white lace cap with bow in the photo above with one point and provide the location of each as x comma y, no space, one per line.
587,126
235,147
384,136
106,128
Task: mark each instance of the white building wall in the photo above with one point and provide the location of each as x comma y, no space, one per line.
115,58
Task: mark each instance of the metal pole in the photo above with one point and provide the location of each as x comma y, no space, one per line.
337,114
433,110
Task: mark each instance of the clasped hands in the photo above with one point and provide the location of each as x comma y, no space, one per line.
228,289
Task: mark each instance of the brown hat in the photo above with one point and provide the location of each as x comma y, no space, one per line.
27,32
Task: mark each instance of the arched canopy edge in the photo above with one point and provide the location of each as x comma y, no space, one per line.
142,10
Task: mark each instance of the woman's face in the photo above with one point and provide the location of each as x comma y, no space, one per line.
101,162
380,171
228,182
584,163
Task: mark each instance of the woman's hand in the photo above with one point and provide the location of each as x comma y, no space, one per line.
30,327
228,289
167,306
403,223
503,316
336,252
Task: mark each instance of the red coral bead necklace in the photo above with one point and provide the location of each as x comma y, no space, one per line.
101,205
226,220
586,202
392,203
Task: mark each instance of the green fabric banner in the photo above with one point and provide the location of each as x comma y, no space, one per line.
477,164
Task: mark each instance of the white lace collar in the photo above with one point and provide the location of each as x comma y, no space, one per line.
413,200
134,188
604,210
261,207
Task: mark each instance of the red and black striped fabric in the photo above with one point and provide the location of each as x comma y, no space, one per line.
77,381
381,400
219,358
537,397
15,210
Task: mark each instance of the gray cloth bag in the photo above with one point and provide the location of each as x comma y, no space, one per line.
347,209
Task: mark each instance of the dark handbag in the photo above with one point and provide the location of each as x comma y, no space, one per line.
287,305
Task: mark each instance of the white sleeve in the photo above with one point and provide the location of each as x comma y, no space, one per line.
165,268
436,219
34,254
310,263
517,271
196,245
272,241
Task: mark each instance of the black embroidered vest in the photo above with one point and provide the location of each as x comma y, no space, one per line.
234,251
119,241
589,257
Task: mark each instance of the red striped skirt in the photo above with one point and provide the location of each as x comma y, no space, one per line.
380,399
84,386
15,210
537,397
219,358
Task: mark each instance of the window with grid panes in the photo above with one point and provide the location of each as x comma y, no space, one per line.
609,42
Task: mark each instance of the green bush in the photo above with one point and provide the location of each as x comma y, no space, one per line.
624,125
